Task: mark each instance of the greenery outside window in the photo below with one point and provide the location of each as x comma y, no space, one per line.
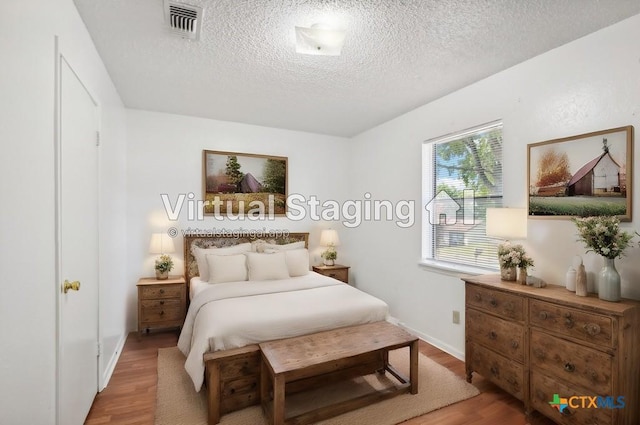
462,177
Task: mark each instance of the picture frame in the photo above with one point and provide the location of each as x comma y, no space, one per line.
244,184
585,175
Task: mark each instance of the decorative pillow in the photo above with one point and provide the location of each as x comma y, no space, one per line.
201,256
285,247
227,268
297,261
267,266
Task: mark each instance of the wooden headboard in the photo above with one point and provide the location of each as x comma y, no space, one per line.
220,241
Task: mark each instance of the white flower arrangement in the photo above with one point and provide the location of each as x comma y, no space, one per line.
602,235
513,256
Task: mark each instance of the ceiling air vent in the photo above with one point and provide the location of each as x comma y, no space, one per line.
184,20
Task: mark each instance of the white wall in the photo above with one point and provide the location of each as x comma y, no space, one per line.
27,260
164,156
588,85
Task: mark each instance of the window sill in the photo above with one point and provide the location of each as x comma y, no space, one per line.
450,269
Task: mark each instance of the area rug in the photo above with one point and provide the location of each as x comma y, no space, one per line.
179,404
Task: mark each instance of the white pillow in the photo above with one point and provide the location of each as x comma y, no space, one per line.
201,259
297,261
201,256
285,247
267,266
227,268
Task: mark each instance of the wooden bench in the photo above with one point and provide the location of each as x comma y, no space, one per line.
309,361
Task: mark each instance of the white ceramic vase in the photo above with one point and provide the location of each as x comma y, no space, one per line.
609,281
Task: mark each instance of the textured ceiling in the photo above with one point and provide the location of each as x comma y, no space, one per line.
398,54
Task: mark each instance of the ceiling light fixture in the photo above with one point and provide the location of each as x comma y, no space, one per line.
319,40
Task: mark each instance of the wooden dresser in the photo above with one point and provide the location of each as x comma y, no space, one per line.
337,271
161,303
538,342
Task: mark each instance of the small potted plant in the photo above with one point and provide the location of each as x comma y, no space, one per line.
512,257
164,264
329,256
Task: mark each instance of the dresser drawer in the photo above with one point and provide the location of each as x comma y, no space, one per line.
506,305
342,274
164,291
503,336
574,323
161,314
568,361
543,389
160,303
505,373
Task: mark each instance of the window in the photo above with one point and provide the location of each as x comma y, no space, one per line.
462,177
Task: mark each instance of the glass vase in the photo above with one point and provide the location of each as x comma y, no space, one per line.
508,273
609,281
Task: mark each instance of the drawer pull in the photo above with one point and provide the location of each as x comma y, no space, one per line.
494,371
514,344
332,275
493,335
568,320
543,315
493,302
161,302
478,297
592,329
162,291
162,313
569,367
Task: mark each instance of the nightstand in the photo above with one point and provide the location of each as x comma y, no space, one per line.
337,271
161,303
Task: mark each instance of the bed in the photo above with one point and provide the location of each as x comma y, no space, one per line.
229,318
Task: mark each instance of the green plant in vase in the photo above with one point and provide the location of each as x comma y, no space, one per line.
164,264
329,256
602,235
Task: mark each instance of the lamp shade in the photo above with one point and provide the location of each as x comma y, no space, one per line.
329,237
507,223
161,243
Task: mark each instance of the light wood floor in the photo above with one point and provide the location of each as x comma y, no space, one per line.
130,397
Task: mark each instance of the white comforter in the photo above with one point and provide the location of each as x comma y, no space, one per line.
235,314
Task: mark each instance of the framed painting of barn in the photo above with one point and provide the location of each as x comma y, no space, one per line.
243,184
586,175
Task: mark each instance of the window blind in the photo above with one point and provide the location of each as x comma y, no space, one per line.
467,179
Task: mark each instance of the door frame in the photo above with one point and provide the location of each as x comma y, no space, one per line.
62,54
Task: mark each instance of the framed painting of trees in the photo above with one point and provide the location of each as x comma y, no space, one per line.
244,184
586,175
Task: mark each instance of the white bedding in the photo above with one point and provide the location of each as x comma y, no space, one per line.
196,285
235,314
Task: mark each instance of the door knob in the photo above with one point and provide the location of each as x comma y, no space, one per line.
74,286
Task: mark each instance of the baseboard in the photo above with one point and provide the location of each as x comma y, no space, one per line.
108,371
433,341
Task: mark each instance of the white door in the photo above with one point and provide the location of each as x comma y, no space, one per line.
77,247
